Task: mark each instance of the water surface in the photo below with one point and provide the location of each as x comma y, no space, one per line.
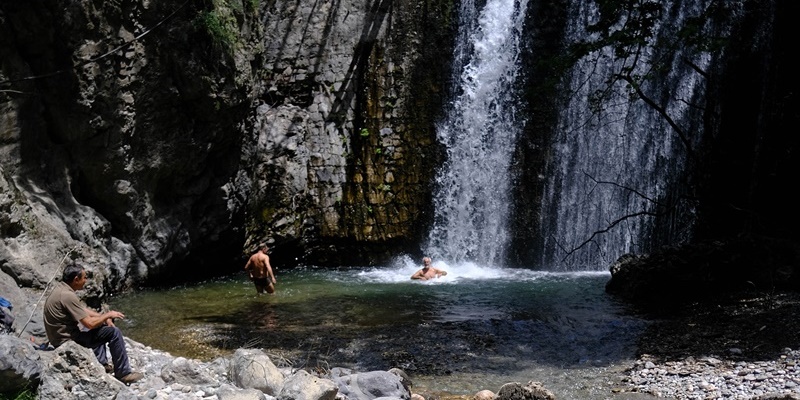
476,328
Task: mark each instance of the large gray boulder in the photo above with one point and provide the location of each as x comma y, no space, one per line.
253,369
20,364
303,386
530,391
74,373
372,385
227,392
187,371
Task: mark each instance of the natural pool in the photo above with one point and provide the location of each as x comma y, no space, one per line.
476,328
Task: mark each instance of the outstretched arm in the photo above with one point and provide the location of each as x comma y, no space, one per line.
95,319
419,275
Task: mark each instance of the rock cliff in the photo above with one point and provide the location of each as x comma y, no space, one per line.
160,141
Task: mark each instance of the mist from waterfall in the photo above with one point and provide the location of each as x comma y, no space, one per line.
613,165
479,134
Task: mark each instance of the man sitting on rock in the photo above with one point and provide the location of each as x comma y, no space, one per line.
62,313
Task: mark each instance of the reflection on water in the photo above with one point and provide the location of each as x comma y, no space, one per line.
476,328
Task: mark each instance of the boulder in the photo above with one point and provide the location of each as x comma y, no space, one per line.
227,392
20,364
303,386
404,379
253,369
74,373
372,385
186,371
531,391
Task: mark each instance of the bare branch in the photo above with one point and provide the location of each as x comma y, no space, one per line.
695,67
608,228
640,194
681,134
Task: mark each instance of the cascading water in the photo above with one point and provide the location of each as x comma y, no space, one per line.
479,134
611,166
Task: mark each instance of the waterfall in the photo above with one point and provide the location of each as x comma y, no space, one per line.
614,164
479,135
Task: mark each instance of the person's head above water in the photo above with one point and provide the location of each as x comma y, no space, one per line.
428,271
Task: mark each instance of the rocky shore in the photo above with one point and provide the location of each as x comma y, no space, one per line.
714,378
72,372
743,347
738,346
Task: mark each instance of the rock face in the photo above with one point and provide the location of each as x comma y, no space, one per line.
342,148
678,275
159,140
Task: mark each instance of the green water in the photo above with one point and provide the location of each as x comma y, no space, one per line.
476,328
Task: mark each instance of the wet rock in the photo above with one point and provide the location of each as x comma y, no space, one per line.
531,391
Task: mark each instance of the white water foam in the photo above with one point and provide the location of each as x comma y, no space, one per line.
457,272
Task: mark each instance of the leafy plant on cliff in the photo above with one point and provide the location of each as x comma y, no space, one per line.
220,24
24,394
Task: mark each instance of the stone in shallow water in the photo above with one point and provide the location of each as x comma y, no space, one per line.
531,391
484,395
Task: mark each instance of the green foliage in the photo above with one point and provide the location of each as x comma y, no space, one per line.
220,24
24,394
626,25
692,32
378,151
267,214
629,25
364,132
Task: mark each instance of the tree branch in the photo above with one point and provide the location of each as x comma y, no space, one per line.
681,134
608,228
642,195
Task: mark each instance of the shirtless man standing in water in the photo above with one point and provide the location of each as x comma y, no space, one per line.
427,271
260,271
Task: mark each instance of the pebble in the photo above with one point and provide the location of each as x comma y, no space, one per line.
713,378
